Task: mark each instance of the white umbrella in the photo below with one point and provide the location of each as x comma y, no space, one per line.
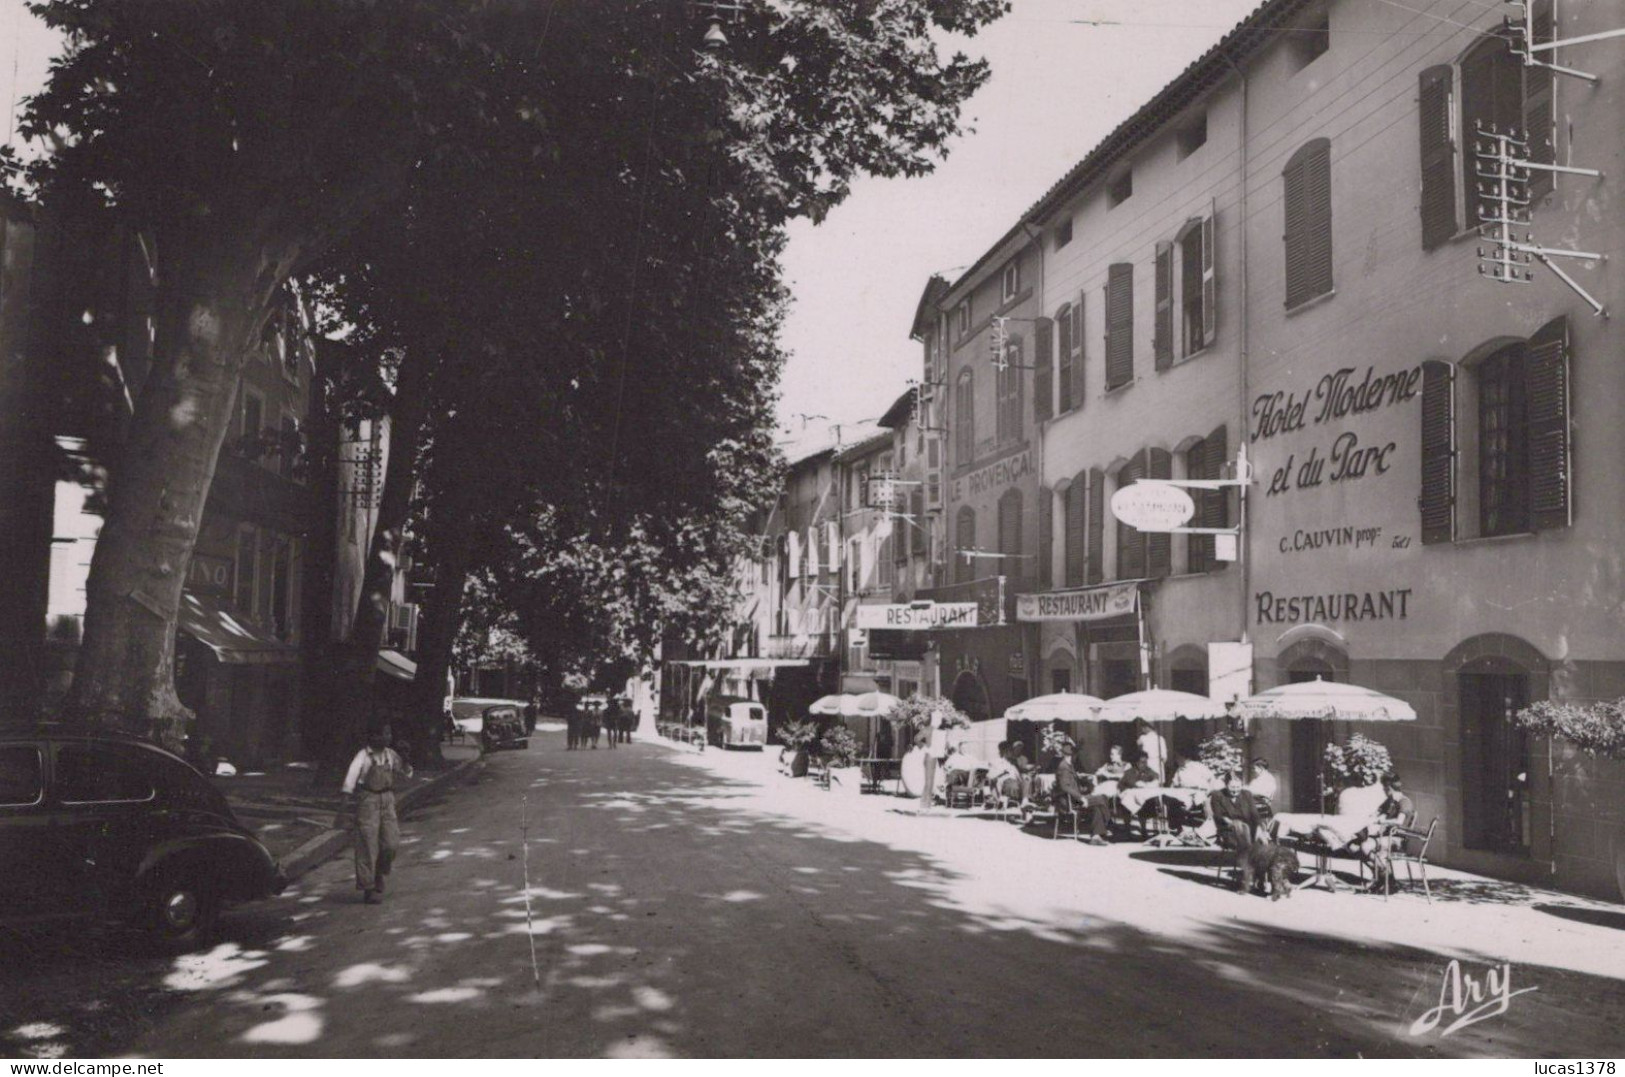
1066,706
1326,699
1157,705
830,705
872,704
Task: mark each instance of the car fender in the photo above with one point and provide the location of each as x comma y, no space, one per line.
244,867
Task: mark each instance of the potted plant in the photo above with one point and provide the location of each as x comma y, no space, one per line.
1222,754
837,749
1597,729
797,736
1355,767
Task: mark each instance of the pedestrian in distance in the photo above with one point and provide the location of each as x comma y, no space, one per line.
370,788
572,729
590,726
612,722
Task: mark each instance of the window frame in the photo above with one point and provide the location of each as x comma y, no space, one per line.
1303,228
1010,280
39,771
112,750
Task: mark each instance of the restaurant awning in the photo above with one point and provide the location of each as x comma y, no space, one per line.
396,664
233,641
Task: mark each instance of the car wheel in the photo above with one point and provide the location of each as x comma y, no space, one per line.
181,910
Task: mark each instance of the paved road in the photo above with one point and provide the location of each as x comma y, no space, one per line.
681,907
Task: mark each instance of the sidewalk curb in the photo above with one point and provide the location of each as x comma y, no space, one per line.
324,846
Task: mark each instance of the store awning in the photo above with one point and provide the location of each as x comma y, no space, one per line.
233,641
396,664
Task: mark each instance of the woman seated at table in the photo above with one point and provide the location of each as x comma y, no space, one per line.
1377,840
1113,768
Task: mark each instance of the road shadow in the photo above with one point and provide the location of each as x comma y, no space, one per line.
677,913
1599,917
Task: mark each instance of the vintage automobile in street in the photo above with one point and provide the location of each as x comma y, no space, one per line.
109,826
731,722
468,712
503,726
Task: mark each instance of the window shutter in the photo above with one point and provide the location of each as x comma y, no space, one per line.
1207,460
916,529
1063,318
1210,288
832,544
1308,240
794,538
1538,101
1162,337
1077,514
1076,361
1198,548
1160,547
1435,120
1017,401
1119,325
812,551
1010,533
1097,526
1046,538
1438,498
1043,369
1551,482
964,540
1130,540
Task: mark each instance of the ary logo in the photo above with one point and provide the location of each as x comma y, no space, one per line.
1466,1001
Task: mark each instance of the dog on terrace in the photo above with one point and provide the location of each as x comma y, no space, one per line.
1267,859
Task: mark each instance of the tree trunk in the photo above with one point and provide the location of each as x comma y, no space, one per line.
358,657
316,709
437,630
208,312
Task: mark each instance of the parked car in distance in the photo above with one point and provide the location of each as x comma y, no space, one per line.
468,712
503,726
731,722
104,825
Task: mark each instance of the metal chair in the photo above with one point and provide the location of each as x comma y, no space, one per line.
1064,805
1417,861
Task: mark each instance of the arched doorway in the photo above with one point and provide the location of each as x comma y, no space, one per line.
1495,676
970,695
1306,660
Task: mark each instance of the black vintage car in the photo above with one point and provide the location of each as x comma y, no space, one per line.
111,826
503,726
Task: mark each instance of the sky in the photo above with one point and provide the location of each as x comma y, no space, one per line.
1060,83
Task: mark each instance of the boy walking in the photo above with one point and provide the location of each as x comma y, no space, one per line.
370,785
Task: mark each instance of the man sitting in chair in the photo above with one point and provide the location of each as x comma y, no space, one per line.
1136,789
1078,792
1234,813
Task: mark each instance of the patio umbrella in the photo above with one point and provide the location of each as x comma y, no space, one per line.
873,705
1156,705
830,705
1326,699
1066,706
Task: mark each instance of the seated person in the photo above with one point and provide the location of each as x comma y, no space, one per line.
1003,780
1138,773
1377,840
1076,792
1136,789
956,769
1026,771
1193,774
1234,814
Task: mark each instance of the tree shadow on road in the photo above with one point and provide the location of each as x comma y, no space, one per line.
677,913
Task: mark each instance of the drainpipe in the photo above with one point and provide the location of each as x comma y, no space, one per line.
1243,540
1035,686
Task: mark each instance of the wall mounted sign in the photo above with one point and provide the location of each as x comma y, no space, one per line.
209,575
1348,606
1335,396
919,616
1083,604
994,476
1153,506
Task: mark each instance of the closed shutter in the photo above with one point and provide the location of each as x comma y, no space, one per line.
1130,540
1160,547
965,541
1198,548
1551,467
1308,240
1063,318
1075,357
794,548
812,551
1435,118
1043,369
1538,102
916,526
1207,460
832,544
1077,515
1096,556
1437,502
1010,534
1119,325
1016,398
1210,283
1162,338
1046,538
